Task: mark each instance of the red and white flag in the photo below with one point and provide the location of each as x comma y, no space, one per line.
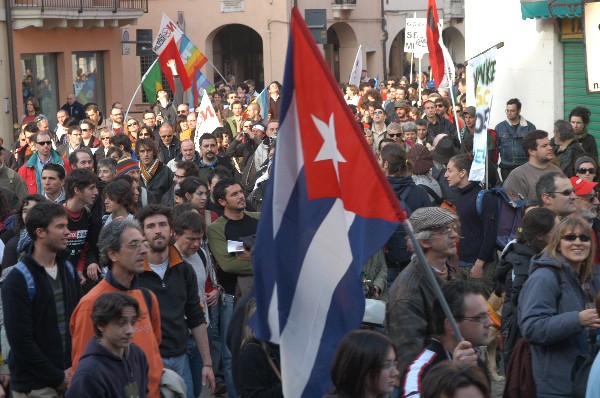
436,55
166,47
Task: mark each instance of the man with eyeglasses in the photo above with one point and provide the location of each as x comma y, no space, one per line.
31,171
169,145
436,124
183,109
122,248
523,179
394,131
555,192
378,127
87,138
586,206
509,138
470,311
116,116
409,311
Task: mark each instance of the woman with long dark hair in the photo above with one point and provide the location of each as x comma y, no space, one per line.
364,365
556,313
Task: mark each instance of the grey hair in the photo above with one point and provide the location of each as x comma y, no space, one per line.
424,235
395,127
564,130
110,238
409,126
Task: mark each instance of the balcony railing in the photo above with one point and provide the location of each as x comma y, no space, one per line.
82,5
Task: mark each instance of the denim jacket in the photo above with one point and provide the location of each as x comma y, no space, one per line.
510,144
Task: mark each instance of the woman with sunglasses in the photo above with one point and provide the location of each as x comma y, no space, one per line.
145,132
132,128
585,168
556,313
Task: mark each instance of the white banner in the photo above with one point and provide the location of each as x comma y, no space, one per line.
356,69
592,44
415,36
481,73
168,29
207,120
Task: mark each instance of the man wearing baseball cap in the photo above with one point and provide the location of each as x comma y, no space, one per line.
411,298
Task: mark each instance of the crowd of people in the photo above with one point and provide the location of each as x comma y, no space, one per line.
126,249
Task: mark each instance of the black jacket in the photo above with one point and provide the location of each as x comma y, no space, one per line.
38,358
165,154
160,182
179,302
77,110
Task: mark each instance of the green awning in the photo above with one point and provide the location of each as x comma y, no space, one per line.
560,9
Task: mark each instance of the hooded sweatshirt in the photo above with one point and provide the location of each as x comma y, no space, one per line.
103,374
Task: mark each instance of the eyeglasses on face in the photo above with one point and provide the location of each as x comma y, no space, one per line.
583,170
42,143
378,113
483,318
394,135
132,124
572,237
589,198
566,192
136,244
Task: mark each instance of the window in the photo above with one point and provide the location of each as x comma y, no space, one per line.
39,76
145,63
88,79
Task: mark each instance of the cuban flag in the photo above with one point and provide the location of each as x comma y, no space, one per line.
328,209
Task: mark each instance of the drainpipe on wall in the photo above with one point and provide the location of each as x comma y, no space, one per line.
11,62
384,37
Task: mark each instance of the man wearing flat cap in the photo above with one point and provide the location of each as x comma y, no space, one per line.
411,297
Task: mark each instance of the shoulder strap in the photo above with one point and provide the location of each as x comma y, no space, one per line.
405,193
479,201
433,194
29,281
148,300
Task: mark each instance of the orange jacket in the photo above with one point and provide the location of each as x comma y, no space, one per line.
147,334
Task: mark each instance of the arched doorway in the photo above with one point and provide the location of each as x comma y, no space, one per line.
238,50
455,43
340,50
399,61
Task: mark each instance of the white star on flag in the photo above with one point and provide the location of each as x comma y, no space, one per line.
329,150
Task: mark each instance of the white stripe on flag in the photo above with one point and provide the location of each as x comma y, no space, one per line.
288,163
312,298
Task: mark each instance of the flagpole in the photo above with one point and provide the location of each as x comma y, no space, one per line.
451,95
499,45
138,88
215,68
419,100
431,279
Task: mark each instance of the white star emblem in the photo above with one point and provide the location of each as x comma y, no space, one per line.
329,150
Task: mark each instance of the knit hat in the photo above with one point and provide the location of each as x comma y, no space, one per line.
444,150
583,159
582,187
421,159
428,218
126,164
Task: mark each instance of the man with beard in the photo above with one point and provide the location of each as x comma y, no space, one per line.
235,269
176,287
210,160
